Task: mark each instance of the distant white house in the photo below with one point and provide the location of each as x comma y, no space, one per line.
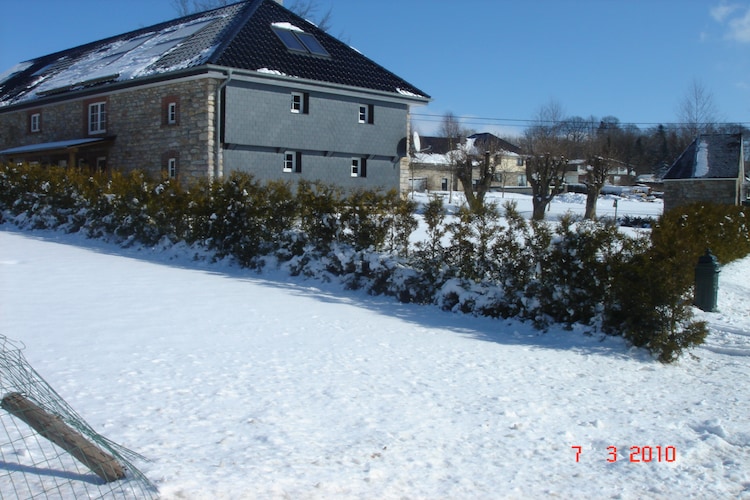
432,168
618,174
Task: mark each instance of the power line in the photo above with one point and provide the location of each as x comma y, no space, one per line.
519,122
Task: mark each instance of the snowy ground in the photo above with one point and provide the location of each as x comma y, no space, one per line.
238,385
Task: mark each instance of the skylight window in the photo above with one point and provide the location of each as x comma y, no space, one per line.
312,44
297,40
291,41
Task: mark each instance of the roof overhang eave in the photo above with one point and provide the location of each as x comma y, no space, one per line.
158,78
305,84
55,147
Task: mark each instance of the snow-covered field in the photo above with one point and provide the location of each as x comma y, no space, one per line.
239,385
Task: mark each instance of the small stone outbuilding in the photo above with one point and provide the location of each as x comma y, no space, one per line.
711,169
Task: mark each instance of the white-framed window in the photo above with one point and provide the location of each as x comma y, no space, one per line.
292,161
172,168
172,113
98,118
300,103
35,122
519,161
359,167
366,113
170,110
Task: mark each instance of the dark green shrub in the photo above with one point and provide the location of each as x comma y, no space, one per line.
575,276
689,230
319,209
649,307
514,263
650,298
402,224
472,237
233,219
462,253
365,219
429,256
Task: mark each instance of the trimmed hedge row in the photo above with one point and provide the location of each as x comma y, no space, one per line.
573,272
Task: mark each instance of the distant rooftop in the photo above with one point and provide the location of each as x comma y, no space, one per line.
709,156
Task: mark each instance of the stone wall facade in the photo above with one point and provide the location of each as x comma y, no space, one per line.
685,191
140,132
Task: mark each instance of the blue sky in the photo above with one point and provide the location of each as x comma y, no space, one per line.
494,63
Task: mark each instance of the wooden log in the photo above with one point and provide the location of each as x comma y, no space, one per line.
55,430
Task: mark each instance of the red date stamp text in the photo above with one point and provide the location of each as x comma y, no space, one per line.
636,454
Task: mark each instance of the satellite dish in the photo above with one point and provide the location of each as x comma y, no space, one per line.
416,142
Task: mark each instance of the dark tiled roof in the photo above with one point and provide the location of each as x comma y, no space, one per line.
256,46
238,36
491,142
482,142
709,156
437,145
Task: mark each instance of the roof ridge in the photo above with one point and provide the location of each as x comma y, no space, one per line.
233,29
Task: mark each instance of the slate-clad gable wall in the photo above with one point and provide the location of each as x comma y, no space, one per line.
268,166
259,115
259,128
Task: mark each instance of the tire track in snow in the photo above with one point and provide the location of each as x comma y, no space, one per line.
727,339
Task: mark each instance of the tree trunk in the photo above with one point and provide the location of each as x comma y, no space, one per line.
539,208
54,429
591,198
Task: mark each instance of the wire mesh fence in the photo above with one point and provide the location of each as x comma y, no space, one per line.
48,451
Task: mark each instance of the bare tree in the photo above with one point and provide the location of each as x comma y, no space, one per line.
450,128
546,163
546,174
546,132
596,175
484,158
306,9
469,157
697,110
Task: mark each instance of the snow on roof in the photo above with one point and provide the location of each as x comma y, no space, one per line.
269,71
15,70
243,35
701,159
287,26
120,60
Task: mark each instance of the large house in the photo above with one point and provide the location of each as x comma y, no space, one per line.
711,169
432,168
247,87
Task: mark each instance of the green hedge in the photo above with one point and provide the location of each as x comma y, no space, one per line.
572,272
